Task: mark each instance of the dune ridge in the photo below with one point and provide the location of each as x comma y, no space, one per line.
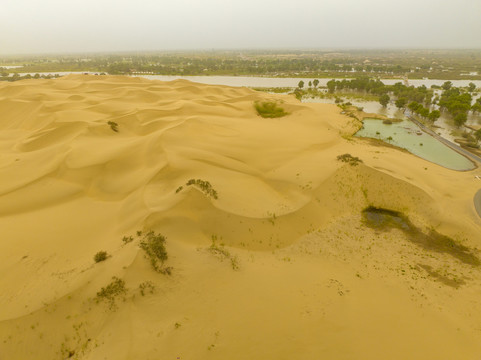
280,265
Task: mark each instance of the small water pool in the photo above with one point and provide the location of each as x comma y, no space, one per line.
407,135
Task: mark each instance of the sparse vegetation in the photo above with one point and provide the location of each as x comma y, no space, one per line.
449,281
146,287
203,185
100,256
385,219
269,109
222,253
112,292
113,125
348,158
127,239
154,246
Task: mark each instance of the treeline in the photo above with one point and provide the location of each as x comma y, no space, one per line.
457,102
415,64
247,66
4,76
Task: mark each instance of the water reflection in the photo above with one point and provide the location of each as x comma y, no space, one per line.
407,135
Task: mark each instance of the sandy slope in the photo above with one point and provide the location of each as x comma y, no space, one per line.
313,282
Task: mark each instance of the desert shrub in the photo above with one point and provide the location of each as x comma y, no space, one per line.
127,239
203,185
222,253
154,246
111,292
146,286
113,125
100,256
348,158
269,109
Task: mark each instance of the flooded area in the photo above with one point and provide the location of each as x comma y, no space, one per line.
444,126
257,81
408,136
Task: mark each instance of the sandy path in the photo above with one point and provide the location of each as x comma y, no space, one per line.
477,202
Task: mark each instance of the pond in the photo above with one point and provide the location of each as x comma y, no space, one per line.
407,135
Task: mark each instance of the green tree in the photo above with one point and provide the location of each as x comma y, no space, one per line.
447,85
331,85
423,112
301,84
384,100
460,119
471,87
414,106
401,103
477,134
310,83
434,115
315,82
476,107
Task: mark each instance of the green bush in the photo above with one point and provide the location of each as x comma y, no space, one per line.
269,109
203,185
100,256
127,239
154,246
348,158
113,125
146,286
110,293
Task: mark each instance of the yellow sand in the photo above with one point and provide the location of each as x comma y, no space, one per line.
302,277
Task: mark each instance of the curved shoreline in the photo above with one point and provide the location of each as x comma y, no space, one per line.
476,160
471,159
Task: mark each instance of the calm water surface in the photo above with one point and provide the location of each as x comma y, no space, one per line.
407,135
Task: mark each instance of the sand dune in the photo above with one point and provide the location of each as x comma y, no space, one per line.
279,264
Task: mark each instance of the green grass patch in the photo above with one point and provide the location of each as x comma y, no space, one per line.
269,109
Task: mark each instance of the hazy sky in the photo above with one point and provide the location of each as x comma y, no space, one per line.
33,26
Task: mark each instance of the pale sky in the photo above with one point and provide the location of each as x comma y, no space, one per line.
46,26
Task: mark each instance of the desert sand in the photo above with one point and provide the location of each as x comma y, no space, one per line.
295,273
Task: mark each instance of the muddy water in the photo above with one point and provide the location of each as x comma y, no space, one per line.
407,135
